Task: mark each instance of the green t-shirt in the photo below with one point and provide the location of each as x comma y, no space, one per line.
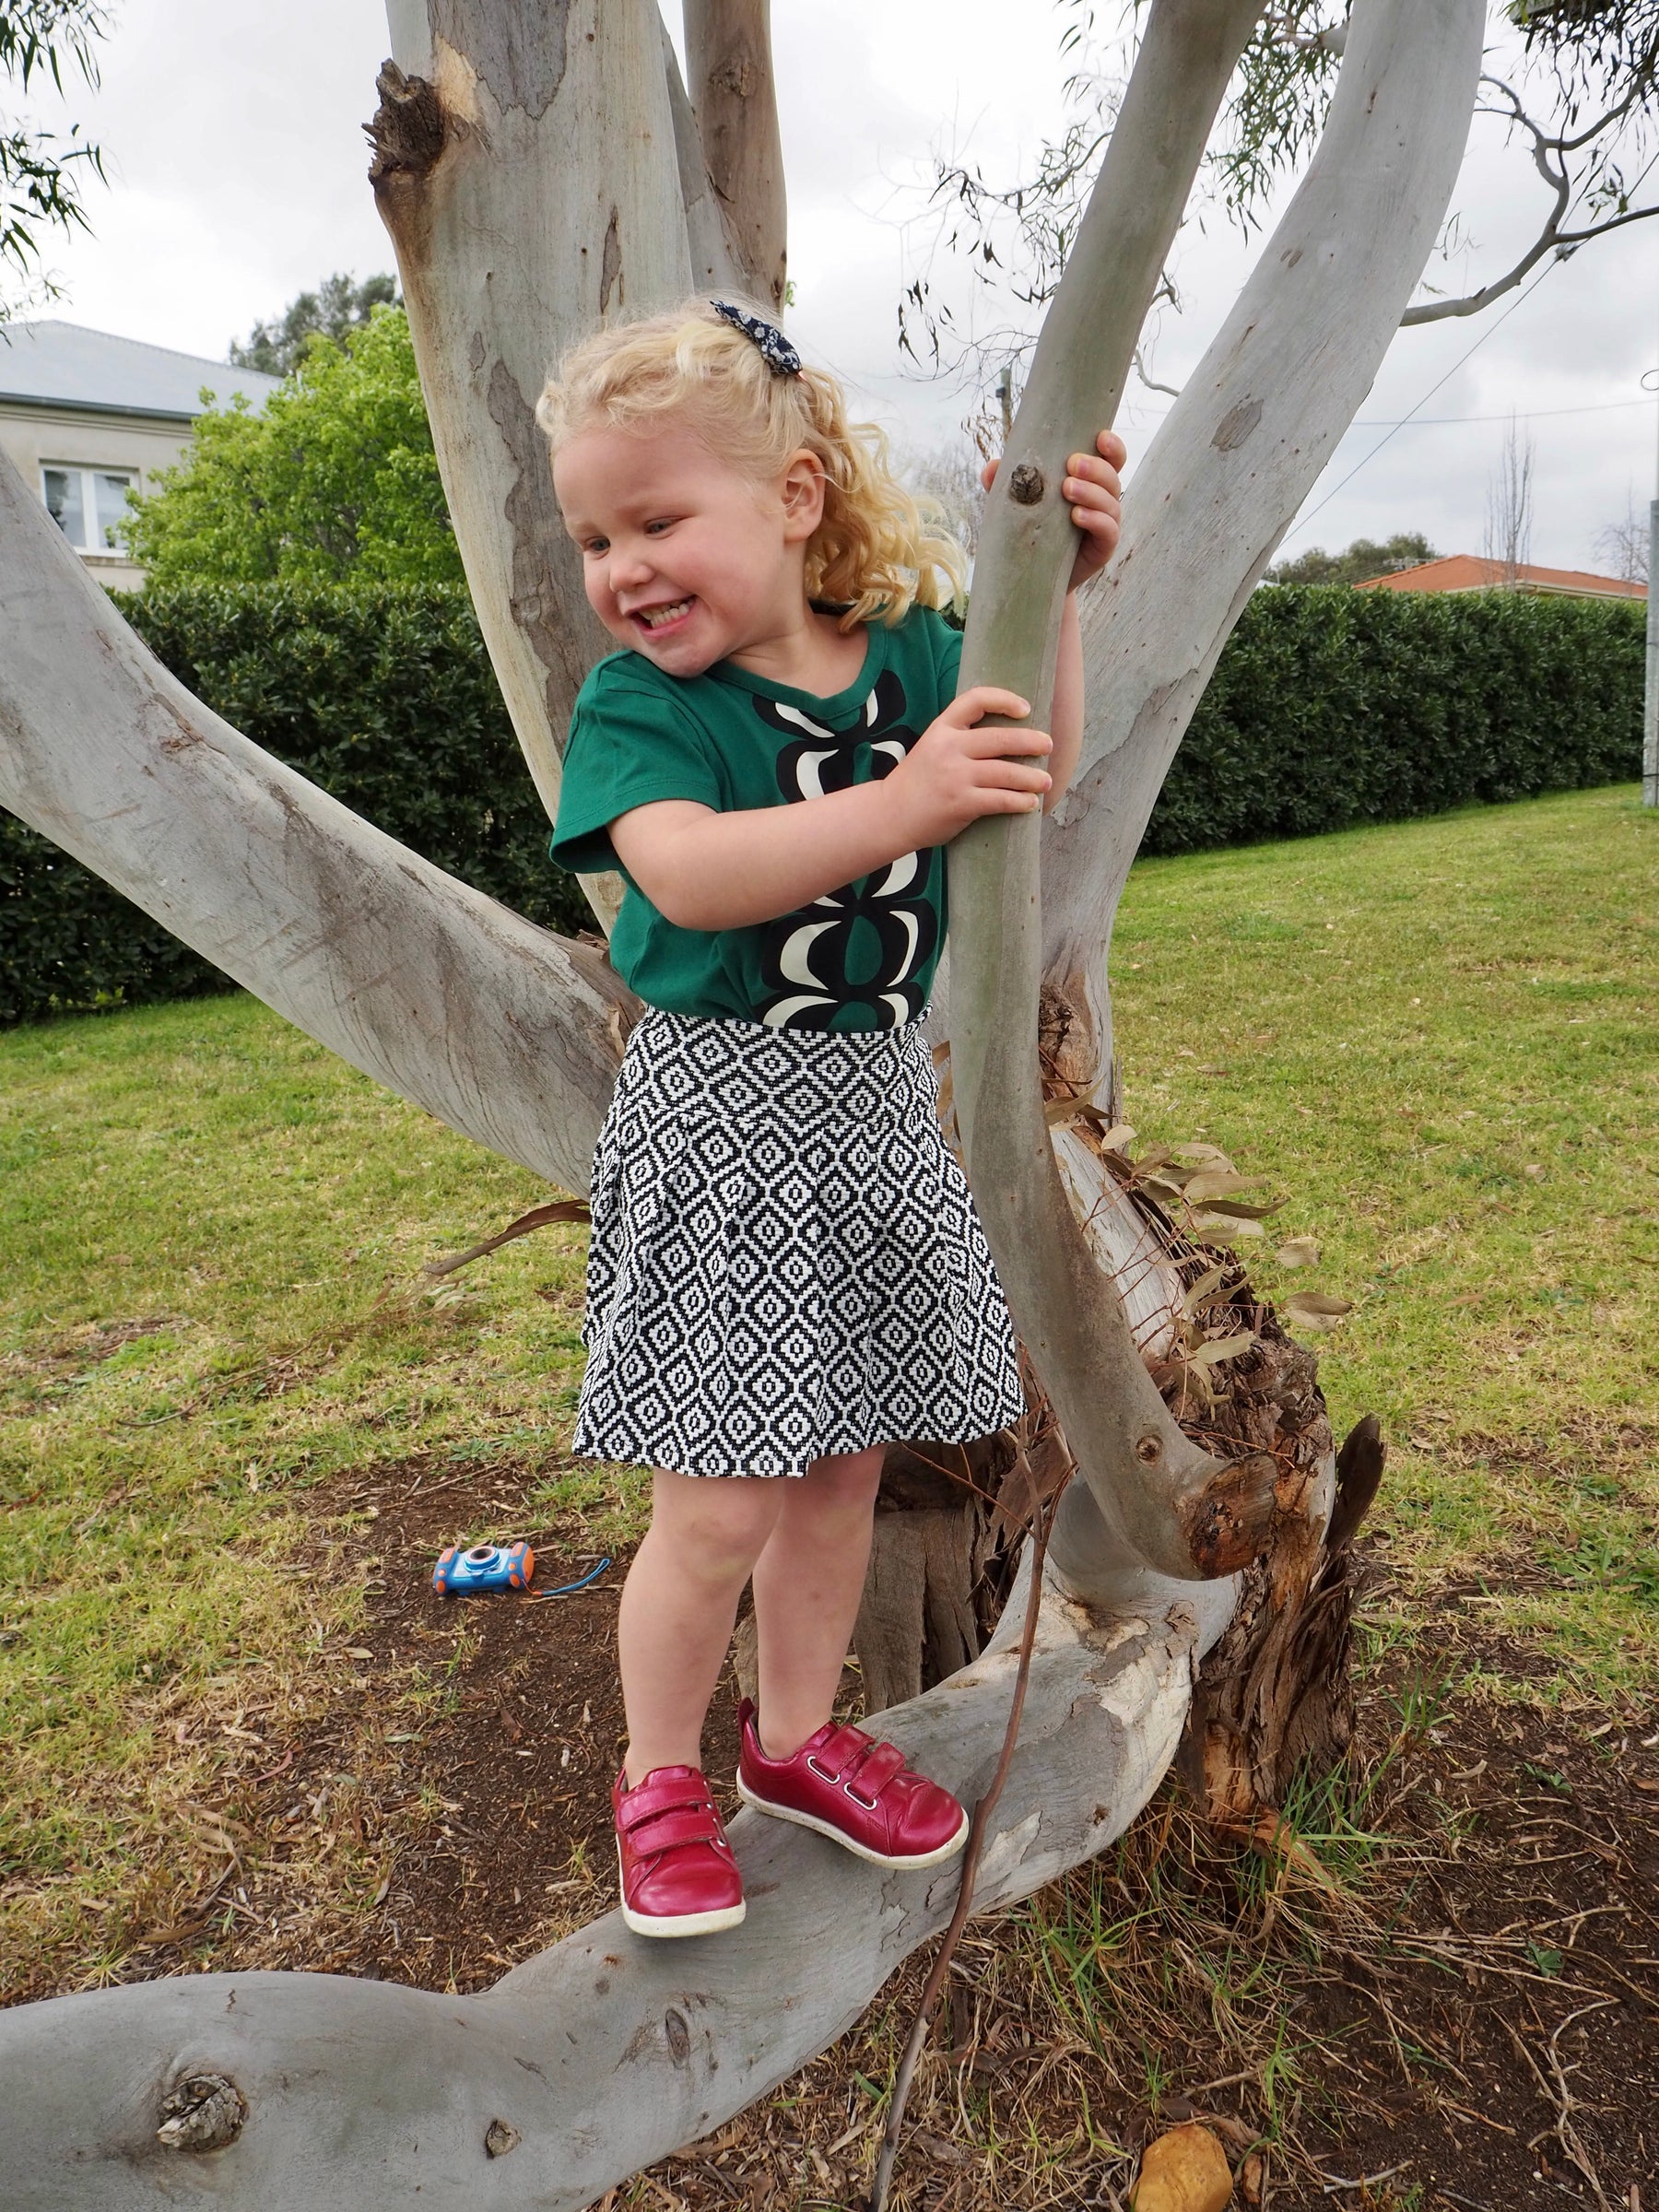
861,957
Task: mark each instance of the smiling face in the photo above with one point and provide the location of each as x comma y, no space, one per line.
684,558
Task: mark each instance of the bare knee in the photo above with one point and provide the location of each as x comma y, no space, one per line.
713,1527
846,1480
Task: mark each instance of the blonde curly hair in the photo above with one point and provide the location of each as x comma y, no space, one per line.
878,551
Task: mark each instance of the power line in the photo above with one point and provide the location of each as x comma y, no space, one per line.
1303,520
1604,407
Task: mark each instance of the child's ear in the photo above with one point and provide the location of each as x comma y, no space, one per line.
802,489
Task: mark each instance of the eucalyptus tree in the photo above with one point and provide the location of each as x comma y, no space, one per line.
42,174
540,168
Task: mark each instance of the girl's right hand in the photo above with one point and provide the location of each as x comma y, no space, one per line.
957,771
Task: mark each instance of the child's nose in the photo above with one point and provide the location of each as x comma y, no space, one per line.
630,565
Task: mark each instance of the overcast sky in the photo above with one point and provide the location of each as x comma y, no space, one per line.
237,169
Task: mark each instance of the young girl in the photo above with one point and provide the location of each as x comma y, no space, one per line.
787,1271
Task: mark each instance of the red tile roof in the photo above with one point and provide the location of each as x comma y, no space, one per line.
1467,572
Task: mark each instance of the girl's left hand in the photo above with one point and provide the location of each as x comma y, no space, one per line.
1093,489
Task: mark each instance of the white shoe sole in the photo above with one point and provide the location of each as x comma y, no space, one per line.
683,1924
860,1851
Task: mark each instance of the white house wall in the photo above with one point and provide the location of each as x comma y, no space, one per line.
34,437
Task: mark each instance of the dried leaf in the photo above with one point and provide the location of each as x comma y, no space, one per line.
1118,1139
1243,1210
1217,1183
1315,1310
1210,1155
1211,1280
1057,1112
1223,1228
1225,1347
1297,1252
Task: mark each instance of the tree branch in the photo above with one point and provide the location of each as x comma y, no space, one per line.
506,1032
604,2053
541,196
1165,1501
728,57
1238,453
1549,152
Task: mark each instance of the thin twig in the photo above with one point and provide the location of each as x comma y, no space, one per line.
1040,1523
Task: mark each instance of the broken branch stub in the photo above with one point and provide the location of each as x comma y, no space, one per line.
1164,1500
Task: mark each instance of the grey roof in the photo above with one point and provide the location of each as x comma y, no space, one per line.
63,365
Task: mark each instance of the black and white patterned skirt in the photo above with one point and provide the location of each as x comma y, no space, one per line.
785,1260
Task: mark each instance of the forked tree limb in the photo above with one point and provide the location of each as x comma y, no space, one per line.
1239,452
728,59
506,1032
1167,1502
604,2053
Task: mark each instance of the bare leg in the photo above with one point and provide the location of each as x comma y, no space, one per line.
678,1604
808,1581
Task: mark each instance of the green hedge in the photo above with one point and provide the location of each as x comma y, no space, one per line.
1329,707
384,697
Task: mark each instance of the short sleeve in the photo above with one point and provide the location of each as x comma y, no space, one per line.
947,657
627,746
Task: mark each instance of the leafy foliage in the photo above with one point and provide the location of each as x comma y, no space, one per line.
1363,558
40,172
384,698
335,481
1330,707
337,307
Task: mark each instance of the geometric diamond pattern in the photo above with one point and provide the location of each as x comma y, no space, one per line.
785,1260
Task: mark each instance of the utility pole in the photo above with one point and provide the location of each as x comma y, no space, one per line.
1650,714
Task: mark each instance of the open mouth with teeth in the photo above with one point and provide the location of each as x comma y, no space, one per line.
656,619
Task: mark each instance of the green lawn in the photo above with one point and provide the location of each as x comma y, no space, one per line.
1437,1038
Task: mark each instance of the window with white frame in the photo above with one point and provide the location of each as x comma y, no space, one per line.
89,505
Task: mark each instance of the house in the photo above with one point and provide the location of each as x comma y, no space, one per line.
1465,572
85,417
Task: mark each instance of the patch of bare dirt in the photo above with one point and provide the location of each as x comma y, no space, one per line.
1467,2017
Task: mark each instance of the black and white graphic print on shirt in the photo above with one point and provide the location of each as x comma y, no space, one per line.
868,941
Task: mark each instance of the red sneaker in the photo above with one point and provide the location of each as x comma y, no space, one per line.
679,1875
864,1795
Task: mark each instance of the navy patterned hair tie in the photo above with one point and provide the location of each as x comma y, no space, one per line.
780,357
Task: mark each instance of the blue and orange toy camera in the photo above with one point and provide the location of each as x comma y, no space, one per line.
482,1567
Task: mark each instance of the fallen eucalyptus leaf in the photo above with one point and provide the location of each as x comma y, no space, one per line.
1297,1252
1223,1228
1315,1310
